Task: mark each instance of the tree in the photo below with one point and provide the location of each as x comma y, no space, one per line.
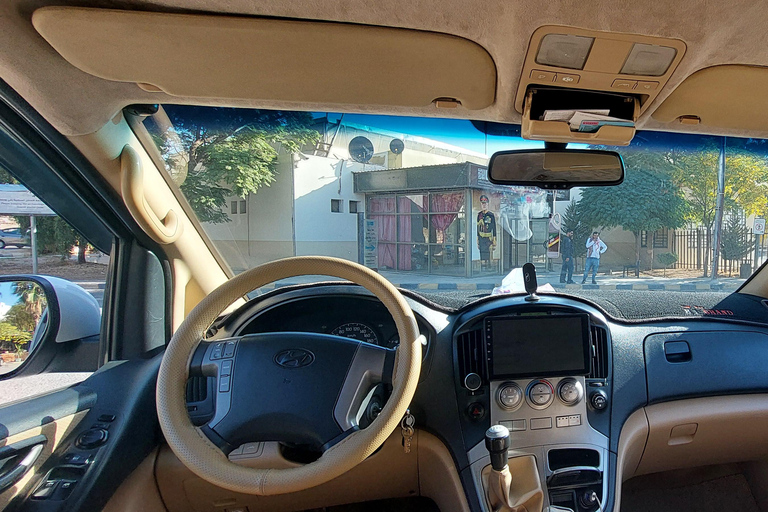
667,259
736,240
56,236
746,182
212,153
647,200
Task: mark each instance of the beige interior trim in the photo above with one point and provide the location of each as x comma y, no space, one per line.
703,431
728,96
196,271
205,459
55,431
438,478
388,473
319,62
138,492
517,488
632,439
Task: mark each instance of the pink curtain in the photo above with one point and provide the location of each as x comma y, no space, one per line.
445,203
387,229
404,225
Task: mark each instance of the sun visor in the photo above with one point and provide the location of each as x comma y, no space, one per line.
246,58
729,97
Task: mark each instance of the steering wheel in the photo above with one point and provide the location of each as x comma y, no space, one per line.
298,388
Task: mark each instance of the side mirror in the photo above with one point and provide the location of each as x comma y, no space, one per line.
43,310
556,169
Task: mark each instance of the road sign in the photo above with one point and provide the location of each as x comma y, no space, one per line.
17,200
759,227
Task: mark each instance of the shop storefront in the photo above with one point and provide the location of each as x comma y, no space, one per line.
471,229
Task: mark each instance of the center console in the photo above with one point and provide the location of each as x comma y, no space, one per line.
542,390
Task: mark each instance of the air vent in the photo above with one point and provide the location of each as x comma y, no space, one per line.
472,354
197,389
599,342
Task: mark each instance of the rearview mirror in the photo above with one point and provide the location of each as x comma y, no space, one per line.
556,169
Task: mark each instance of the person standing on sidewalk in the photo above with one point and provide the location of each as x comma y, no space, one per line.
595,247
566,273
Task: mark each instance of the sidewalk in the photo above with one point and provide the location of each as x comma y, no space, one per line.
412,281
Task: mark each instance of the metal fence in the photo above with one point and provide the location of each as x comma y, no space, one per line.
694,252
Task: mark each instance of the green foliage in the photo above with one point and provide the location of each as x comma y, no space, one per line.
667,259
54,235
648,200
571,222
736,241
214,153
21,318
12,339
6,178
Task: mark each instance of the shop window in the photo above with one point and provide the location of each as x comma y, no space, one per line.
335,205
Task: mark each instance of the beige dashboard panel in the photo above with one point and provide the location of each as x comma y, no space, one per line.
602,68
242,58
703,431
729,96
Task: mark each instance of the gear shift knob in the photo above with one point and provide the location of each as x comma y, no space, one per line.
497,443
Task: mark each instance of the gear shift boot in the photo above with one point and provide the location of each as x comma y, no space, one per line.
516,488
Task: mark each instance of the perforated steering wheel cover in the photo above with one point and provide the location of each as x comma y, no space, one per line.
202,457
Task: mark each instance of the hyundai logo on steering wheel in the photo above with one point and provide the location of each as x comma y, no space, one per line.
294,358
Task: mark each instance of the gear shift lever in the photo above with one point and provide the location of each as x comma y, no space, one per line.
497,444
505,493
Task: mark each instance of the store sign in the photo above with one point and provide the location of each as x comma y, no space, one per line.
759,227
17,200
371,244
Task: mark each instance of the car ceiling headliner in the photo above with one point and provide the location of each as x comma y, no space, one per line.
77,103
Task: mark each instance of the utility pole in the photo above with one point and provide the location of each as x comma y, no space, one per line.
33,241
720,201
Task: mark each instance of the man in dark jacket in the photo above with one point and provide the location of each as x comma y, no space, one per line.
567,253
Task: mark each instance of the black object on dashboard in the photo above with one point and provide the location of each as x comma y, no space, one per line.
497,444
530,282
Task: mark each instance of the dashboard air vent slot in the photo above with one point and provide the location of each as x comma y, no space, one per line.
197,389
598,340
471,353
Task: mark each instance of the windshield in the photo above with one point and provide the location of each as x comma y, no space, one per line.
410,197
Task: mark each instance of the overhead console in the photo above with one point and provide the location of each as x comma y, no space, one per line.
567,68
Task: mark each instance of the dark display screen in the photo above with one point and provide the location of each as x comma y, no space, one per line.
532,346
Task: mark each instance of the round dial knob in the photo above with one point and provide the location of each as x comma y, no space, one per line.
570,391
540,394
509,396
473,381
599,400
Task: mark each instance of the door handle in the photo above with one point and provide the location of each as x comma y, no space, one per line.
17,458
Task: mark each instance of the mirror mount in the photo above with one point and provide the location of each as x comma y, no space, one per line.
555,146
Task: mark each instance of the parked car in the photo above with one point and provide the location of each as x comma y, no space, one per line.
13,236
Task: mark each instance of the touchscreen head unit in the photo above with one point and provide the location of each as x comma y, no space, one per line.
537,346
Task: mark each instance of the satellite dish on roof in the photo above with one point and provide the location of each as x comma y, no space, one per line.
360,149
396,146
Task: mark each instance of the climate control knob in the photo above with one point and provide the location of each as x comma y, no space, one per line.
509,396
598,400
540,394
570,391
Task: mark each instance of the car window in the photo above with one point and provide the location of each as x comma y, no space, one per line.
410,197
35,241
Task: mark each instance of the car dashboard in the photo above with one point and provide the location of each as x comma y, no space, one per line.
589,429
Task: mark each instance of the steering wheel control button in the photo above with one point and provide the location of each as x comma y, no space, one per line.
599,400
229,349
570,391
541,423
540,394
224,384
226,368
473,381
509,396
476,411
92,438
218,351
